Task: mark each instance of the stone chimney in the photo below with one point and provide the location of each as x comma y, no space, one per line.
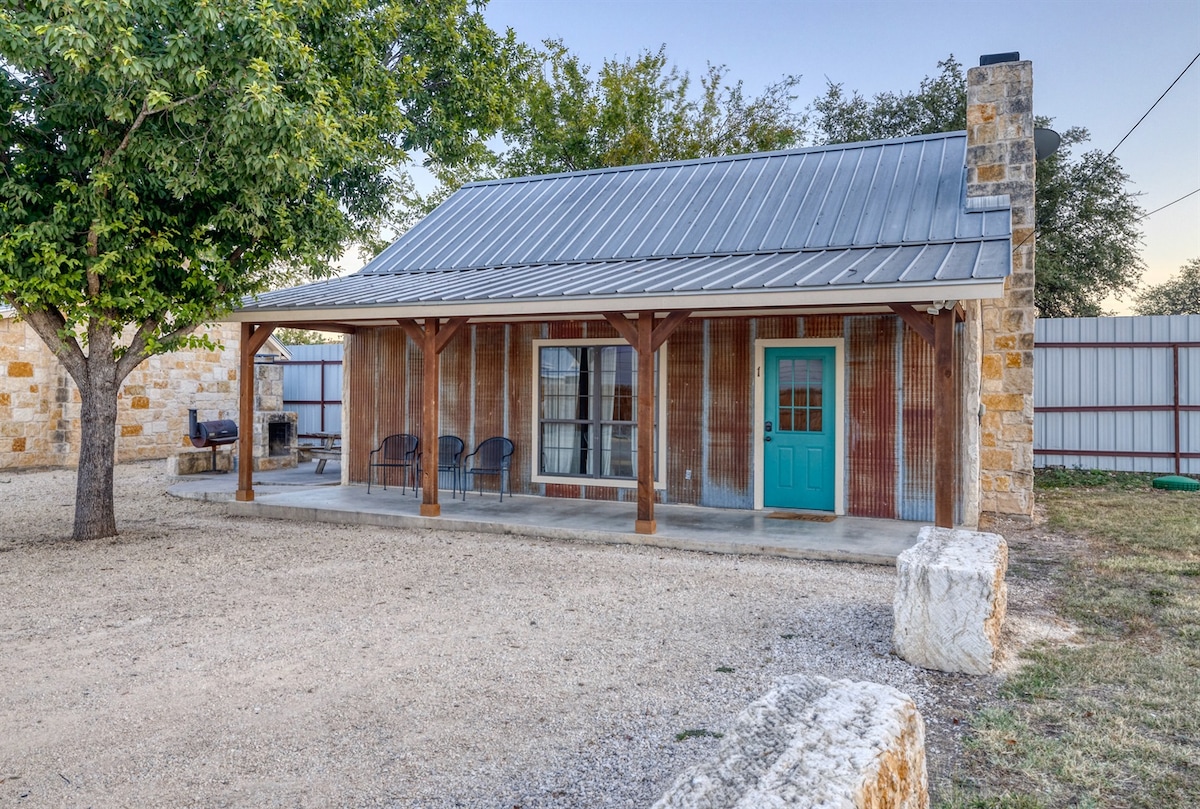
1001,160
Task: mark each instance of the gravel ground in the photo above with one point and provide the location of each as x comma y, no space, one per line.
203,660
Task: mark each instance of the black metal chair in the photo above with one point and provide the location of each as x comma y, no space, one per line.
396,452
492,457
450,452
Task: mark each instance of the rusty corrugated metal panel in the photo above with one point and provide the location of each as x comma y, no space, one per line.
917,431
457,388
777,328
520,403
490,381
729,410
824,326
685,412
407,417
871,449
598,329
392,387
362,353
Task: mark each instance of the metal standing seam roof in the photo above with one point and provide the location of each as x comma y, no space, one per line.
867,215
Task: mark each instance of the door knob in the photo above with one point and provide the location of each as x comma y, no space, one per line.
766,438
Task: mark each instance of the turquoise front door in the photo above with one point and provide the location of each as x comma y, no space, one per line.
798,428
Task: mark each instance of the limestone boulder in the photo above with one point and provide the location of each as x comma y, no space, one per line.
950,600
814,742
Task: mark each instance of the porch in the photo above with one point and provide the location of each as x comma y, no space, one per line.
299,494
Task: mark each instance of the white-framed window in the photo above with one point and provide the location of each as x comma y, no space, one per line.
585,412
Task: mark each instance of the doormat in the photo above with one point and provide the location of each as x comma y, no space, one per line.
791,515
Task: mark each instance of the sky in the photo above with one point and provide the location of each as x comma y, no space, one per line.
1096,64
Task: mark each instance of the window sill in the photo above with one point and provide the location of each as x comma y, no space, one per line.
609,483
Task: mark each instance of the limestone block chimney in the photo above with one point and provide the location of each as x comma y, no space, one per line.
1001,160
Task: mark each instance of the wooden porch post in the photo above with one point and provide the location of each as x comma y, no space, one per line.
946,429
645,424
646,339
433,340
429,422
252,339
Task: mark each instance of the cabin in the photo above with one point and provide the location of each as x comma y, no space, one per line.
844,329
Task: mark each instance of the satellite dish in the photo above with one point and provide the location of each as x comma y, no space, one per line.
1045,142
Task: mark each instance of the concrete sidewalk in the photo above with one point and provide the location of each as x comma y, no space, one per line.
299,494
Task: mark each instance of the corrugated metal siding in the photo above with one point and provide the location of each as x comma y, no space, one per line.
1121,378
889,390
728,397
871,376
518,384
917,416
685,412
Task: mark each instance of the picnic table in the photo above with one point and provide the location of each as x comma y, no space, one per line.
329,449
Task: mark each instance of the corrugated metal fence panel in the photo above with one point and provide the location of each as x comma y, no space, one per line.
304,389
1117,377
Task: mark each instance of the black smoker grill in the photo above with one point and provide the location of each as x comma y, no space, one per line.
211,433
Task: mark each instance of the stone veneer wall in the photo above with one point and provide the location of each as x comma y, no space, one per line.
39,403
1001,160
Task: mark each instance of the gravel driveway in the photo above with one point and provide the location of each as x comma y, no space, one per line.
202,660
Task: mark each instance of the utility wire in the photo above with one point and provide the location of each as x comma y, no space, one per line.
1033,232
1155,104
1169,204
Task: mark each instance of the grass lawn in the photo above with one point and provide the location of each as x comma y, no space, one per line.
1112,719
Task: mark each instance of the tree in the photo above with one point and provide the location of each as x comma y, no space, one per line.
1087,219
159,161
636,110
1180,295
304,337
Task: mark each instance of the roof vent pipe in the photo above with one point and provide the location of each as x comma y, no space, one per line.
999,58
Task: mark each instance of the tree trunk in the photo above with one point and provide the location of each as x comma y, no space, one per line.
94,513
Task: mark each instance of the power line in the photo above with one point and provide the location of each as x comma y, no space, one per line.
1169,204
1155,104
1127,134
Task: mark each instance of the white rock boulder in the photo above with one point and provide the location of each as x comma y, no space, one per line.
814,742
950,600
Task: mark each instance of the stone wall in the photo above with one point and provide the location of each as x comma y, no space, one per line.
1001,160
39,403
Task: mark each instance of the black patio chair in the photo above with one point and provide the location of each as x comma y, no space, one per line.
396,452
492,457
450,452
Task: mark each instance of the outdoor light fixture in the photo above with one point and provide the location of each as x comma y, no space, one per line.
937,306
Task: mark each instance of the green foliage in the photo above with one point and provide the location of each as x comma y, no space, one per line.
696,733
303,337
1088,230
1087,220
1178,296
160,161
1059,477
939,106
640,110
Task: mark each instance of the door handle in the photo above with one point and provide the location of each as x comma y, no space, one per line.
766,438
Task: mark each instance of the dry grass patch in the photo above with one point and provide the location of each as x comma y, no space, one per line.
1110,721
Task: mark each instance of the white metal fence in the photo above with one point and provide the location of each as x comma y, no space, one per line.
1119,393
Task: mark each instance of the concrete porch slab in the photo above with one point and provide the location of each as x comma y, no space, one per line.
299,494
